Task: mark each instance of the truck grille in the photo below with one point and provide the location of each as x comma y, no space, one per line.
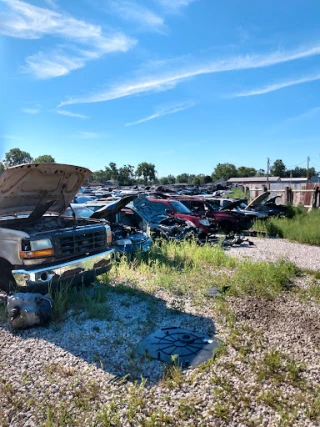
80,242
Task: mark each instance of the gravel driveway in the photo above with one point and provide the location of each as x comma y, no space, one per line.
75,372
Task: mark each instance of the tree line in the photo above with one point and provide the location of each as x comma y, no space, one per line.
145,173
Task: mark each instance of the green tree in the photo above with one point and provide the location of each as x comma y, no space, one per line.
114,173
199,179
1,167
301,172
183,178
45,158
261,172
126,175
165,180
171,179
224,170
147,171
16,157
244,171
100,176
278,168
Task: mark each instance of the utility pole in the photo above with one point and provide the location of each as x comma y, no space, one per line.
268,167
308,160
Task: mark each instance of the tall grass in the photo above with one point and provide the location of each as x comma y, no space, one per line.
90,302
187,268
303,227
237,193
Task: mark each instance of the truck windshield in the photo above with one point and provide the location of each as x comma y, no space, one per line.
180,208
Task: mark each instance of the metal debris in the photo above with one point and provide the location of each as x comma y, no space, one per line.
181,346
26,310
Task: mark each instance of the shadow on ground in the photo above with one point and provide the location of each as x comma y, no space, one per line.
107,335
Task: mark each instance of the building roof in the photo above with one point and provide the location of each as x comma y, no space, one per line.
254,179
288,179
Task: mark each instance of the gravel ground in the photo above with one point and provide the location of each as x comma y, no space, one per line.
304,256
76,372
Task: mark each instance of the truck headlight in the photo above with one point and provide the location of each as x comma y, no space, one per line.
39,245
108,234
204,221
36,249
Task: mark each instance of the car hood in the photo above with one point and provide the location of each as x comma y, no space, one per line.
233,205
272,201
39,187
151,212
112,208
258,200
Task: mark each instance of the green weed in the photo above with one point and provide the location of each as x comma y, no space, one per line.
280,368
303,227
91,302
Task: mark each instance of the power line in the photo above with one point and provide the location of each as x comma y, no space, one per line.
291,166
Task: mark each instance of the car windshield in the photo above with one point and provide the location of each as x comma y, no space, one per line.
214,206
180,208
80,212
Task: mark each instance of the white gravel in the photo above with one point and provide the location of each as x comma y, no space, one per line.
304,256
70,373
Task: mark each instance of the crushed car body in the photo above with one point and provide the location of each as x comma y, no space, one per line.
127,237
38,245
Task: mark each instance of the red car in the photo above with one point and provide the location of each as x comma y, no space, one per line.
226,221
153,207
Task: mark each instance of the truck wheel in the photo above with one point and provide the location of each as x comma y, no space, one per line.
7,282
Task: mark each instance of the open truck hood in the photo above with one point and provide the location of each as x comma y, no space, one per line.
40,187
111,209
152,212
258,200
272,201
232,205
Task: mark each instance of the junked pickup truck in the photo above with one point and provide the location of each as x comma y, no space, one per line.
38,245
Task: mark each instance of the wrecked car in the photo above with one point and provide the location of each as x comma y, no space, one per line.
127,237
166,225
225,221
267,205
155,222
173,208
239,206
38,245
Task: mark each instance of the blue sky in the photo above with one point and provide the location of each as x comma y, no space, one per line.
184,84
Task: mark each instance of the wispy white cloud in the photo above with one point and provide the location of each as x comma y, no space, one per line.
23,20
311,113
52,64
174,5
277,86
130,11
88,135
163,112
307,114
169,79
70,114
30,110
51,3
